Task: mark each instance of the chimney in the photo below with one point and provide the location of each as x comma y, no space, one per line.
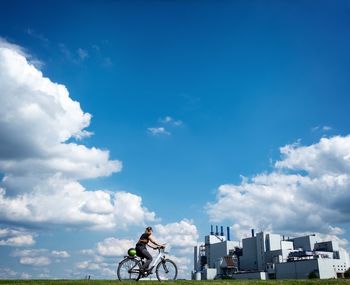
222,231
253,233
211,230
228,233
217,231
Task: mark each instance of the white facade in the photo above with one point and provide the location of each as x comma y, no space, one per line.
218,250
270,256
306,243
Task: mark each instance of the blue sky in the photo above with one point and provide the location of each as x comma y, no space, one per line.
189,98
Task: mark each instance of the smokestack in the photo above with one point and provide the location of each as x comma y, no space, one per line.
252,232
217,231
222,231
228,233
211,230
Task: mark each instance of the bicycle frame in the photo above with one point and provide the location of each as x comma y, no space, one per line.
155,261
160,256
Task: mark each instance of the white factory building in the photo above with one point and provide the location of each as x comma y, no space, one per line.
268,256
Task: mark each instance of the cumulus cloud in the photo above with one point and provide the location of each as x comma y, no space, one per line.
167,122
181,234
307,191
158,131
7,273
39,257
16,237
329,156
60,254
35,261
41,157
180,238
171,121
34,257
114,247
64,202
321,128
100,260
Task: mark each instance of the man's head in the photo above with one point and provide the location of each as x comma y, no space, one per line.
148,230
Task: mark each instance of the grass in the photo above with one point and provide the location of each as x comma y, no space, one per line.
179,282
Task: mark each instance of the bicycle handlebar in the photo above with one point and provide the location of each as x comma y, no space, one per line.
159,248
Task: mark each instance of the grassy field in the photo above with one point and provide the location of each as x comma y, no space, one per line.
185,282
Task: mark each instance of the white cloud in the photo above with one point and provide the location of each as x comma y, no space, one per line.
35,261
87,251
39,257
167,121
320,128
29,252
31,32
7,273
85,265
171,121
181,234
129,211
114,247
180,238
60,254
41,162
308,191
329,156
34,257
158,131
82,53
16,237
64,202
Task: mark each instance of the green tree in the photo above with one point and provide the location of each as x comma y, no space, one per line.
313,275
347,274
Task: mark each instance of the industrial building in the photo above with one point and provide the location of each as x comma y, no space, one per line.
268,256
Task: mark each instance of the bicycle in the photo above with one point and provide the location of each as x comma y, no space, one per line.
129,267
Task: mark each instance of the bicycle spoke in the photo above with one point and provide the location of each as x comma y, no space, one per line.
166,270
128,269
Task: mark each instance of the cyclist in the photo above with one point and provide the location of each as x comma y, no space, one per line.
141,250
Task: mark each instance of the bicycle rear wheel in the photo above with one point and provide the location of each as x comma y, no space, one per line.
128,269
166,270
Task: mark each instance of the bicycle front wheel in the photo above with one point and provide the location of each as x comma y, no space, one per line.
128,269
166,270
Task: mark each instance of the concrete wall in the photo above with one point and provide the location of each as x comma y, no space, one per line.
209,274
296,270
326,268
306,242
260,250
248,260
327,246
251,275
219,250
